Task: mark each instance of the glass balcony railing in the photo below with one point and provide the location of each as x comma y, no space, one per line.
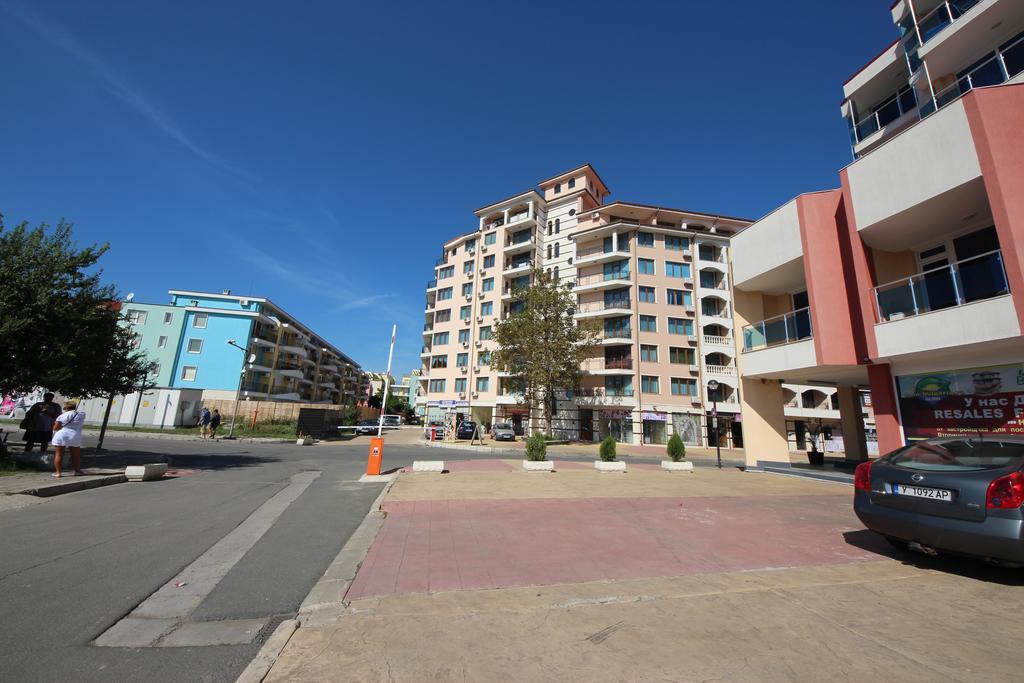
598,278
1004,64
973,279
891,110
942,16
431,284
781,329
603,306
617,333
622,248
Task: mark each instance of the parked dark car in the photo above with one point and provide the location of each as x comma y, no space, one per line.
366,427
961,496
465,430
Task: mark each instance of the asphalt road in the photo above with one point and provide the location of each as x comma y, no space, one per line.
72,567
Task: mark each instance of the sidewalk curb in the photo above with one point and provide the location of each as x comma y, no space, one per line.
56,489
325,602
477,449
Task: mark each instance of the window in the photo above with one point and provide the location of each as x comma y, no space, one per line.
556,272
443,316
558,187
168,317
440,338
572,183
677,297
645,239
436,386
462,360
549,227
684,387
188,373
465,312
673,269
649,384
645,266
439,361
445,272
488,284
460,385
464,335
470,246
200,320
680,356
491,238
483,383
487,308
161,343
618,386
137,317
677,243
649,353
154,368
467,267
550,249
467,289
485,332
489,261
136,341
680,326
648,323
483,358
194,345
444,294
556,249
558,226
647,295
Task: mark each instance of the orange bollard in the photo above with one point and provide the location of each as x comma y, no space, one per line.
376,455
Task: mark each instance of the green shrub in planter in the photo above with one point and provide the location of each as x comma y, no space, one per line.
607,450
536,448
676,448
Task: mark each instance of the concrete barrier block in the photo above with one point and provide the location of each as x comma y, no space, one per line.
539,465
150,472
613,466
672,466
436,466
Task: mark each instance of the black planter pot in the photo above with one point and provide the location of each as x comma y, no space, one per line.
816,458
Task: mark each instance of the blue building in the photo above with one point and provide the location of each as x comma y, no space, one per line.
292,363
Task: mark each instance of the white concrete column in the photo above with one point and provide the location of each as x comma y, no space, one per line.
481,222
615,241
506,216
852,419
529,212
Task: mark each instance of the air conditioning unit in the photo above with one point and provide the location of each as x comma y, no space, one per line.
479,318
480,295
462,395
476,370
483,273
476,395
478,343
465,321
465,345
469,297
483,249
463,369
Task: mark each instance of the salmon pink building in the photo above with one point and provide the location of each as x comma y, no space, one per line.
908,278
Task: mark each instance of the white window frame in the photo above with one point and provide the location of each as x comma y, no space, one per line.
205,317
168,318
161,342
184,373
188,348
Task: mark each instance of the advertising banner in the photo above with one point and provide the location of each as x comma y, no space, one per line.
963,402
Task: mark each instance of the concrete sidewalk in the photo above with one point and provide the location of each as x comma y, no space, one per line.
490,573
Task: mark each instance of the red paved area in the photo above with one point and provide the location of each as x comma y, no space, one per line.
470,544
478,466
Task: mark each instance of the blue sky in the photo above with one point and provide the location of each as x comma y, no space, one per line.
319,153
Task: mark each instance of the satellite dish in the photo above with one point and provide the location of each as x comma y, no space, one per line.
252,358
131,295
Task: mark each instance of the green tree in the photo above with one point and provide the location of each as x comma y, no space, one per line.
396,404
60,327
542,345
676,448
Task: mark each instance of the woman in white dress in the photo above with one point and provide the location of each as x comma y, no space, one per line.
68,435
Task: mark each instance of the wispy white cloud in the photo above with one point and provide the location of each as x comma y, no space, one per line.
365,302
119,87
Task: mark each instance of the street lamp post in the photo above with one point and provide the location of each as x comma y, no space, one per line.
238,391
713,388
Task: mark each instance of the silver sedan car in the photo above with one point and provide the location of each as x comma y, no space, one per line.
960,495
503,431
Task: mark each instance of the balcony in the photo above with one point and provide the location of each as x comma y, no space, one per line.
893,115
425,351
715,340
519,217
431,284
603,309
617,336
600,254
518,268
781,329
608,366
720,314
932,23
1005,64
601,281
519,244
720,370
599,396
974,279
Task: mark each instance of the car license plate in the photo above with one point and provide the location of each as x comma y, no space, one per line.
922,492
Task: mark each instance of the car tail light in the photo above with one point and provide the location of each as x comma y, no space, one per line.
862,476
1006,492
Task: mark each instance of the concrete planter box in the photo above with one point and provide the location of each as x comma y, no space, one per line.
613,466
150,472
428,466
673,466
539,465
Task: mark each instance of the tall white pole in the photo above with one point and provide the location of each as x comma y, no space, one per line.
387,382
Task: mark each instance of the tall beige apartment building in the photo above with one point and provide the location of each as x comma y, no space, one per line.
656,279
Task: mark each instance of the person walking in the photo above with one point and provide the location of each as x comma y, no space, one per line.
214,423
67,434
38,423
204,422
